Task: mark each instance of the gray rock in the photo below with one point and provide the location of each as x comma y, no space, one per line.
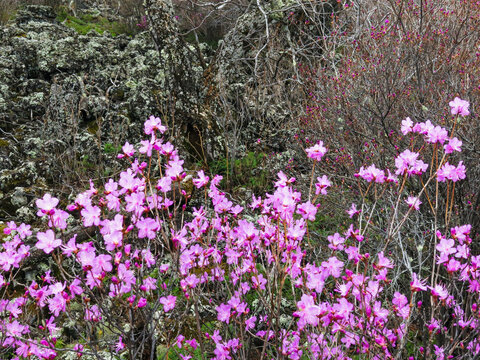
19,197
64,96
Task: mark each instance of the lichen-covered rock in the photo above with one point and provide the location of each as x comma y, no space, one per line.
66,97
257,77
19,197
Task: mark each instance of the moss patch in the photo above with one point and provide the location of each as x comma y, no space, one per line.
4,143
87,22
247,172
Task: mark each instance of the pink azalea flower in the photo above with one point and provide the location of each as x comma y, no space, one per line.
71,246
168,302
174,169
284,180
439,291
128,150
58,219
407,126
57,304
322,184
128,181
93,314
164,268
343,308
332,267
250,323
23,231
335,241
193,343
259,282
46,204
135,203
147,227
308,312
401,303
353,211
423,127
179,341
79,349
317,151
75,287
461,233
47,241
453,265
446,246
413,202
417,284
142,302
223,312
408,162
450,172
307,210
463,251
91,216
371,173
11,226
439,351
147,147
437,134
459,106
119,345
453,145
154,123
383,262
202,180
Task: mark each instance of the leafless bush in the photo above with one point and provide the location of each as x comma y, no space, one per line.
402,59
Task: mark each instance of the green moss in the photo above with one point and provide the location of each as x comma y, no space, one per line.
86,163
2,227
246,172
174,354
4,143
92,127
109,148
87,22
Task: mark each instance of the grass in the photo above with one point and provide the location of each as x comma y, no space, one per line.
248,172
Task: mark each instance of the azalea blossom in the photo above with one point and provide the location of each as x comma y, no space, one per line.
128,150
453,145
371,173
308,312
168,302
321,185
47,241
413,202
317,151
407,126
46,205
202,180
451,172
417,284
459,106
353,211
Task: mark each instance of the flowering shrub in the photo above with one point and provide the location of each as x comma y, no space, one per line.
389,59
222,281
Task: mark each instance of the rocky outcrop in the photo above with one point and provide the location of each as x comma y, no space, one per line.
69,101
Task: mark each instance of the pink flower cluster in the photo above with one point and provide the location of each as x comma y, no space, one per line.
142,259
